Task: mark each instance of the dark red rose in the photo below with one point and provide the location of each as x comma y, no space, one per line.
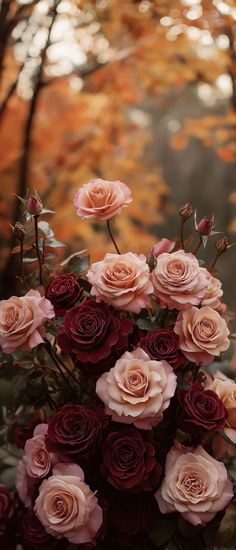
132,514
74,431
162,345
94,335
129,463
202,410
63,292
205,226
33,535
6,507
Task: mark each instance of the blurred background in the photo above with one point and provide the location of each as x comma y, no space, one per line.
138,90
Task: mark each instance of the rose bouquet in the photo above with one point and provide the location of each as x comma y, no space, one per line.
116,430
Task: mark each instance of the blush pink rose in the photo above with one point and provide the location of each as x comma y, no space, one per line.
179,281
164,245
22,319
102,199
122,281
22,484
226,391
213,294
195,485
39,460
137,390
203,334
67,507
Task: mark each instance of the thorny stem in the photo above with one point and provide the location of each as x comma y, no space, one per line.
22,265
198,246
112,237
37,249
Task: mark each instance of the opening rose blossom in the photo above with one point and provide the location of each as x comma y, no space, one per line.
213,294
195,484
22,319
102,199
203,334
137,390
179,281
39,460
226,391
67,507
122,281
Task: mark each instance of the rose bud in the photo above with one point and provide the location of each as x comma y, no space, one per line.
222,245
18,231
205,226
34,206
186,211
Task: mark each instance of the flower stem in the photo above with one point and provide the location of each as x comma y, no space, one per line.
57,364
22,265
198,246
37,249
215,260
112,237
182,234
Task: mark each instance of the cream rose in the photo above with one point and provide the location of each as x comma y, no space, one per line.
203,334
213,294
179,281
67,507
22,319
102,199
137,390
226,391
195,484
122,281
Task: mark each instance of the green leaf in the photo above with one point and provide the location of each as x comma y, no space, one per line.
77,263
162,530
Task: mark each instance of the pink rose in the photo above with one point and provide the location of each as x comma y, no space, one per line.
67,507
195,484
21,321
179,281
122,281
203,334
164,245
226,391
22,482
213,294
137,390
102,199
39,460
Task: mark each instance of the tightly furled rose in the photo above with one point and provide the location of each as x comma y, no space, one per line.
92,334
21,321
39,460
213,294
67,507
102,199
63,292
178,280
137,390
226,391
164,245
163,345
129,463
122,281
203,334
33,534
75,430
6,507
195,484
202,410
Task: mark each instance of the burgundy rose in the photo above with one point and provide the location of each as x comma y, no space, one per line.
33,535
162,345
63,292
94,335
129,463
132,514
6,507
74,431
202,410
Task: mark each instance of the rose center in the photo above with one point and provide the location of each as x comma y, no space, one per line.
193,484
176,269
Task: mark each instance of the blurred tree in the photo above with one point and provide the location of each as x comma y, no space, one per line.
75,76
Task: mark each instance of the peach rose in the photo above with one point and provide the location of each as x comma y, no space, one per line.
195,484
203,334
226,391
39,460
137,390
67,507
178,280
213,294
164,245
21,321
122,281
102,199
